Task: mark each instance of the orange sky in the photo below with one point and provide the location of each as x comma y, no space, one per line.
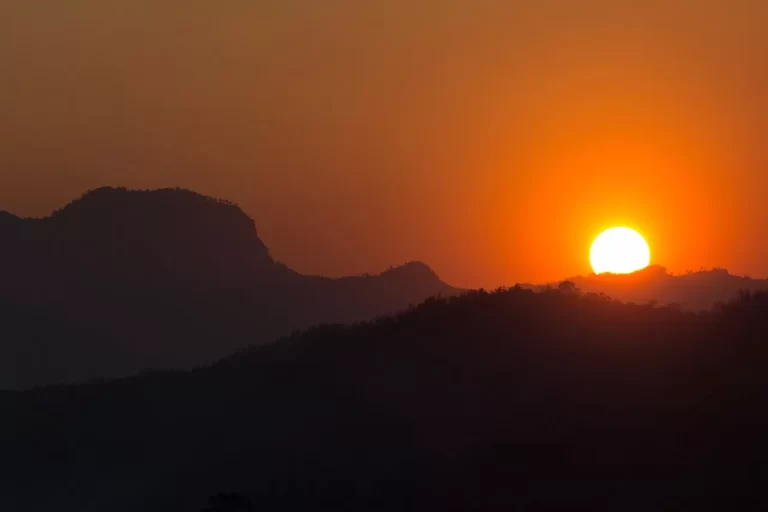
493,141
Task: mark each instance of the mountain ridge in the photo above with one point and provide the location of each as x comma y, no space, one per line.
694,291
162,279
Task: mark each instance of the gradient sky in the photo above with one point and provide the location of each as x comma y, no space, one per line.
492,140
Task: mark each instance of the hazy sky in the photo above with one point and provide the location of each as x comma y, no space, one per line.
492,140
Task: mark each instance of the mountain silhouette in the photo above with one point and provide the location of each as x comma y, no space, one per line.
693,291
511,400
115,236
120,281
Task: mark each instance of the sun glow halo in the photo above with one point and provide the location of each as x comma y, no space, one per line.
619,251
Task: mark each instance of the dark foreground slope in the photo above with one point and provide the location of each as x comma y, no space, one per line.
503,401
119,281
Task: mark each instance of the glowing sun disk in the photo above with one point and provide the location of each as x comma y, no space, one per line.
619,251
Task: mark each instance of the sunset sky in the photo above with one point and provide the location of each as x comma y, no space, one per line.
491,139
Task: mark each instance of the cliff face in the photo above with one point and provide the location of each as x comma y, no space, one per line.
119,281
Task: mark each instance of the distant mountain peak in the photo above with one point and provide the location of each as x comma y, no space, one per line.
169,234
412,269
106,199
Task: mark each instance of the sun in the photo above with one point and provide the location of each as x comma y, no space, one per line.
619,251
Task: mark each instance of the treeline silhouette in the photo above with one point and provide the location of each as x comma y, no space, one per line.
509,400
119,281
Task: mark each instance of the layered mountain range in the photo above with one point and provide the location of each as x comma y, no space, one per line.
120,281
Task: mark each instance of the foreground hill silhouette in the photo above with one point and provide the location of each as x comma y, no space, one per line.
120,281
693,291
513,400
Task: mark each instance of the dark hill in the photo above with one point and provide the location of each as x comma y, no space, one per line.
119,281
515,400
